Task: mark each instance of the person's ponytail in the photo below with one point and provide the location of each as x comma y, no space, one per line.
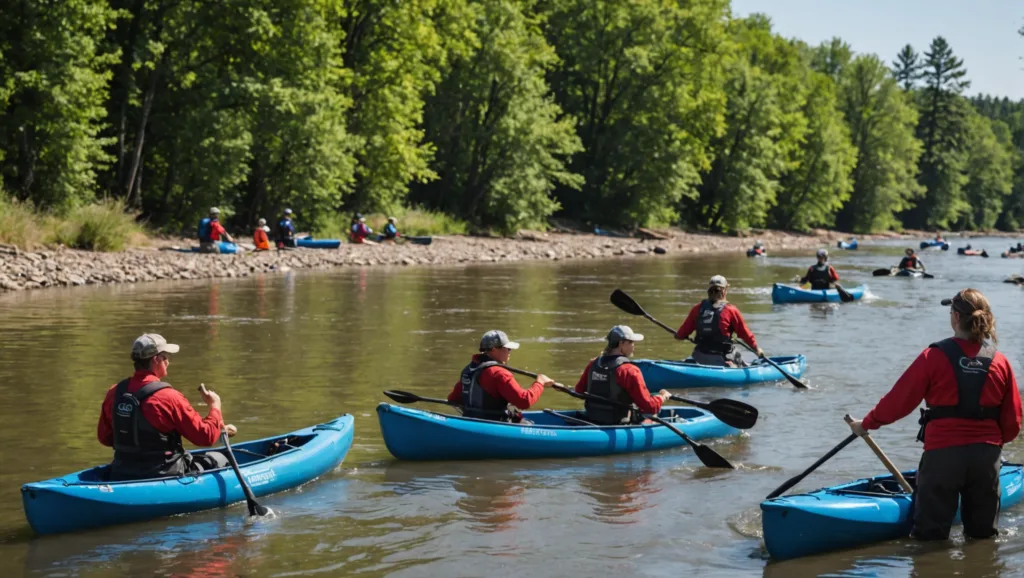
980,324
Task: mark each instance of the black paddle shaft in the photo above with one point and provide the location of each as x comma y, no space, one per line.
798,478
255,509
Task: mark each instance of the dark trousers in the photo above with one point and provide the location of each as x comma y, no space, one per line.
965,474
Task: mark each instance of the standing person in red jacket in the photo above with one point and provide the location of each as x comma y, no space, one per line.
144,419
486,389
821,275
973,409
715,320
614,377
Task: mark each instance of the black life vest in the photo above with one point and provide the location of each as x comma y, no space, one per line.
140,450
910,263
971,373
475,401
602,382
819,277
710,338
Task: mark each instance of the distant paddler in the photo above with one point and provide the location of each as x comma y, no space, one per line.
613,376
259,236
911,261
486,389
715,320
144,419
973,409
210,232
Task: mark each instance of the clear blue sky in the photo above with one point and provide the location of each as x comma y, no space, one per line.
982,32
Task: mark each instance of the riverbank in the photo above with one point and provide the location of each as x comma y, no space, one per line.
23,271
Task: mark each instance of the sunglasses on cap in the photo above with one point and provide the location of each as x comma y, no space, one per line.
958,303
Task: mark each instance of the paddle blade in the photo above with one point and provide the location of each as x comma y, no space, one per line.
402,396
881,272
626,303
711,458
844,295
927,276
734,413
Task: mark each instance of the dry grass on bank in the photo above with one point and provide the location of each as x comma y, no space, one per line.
100,226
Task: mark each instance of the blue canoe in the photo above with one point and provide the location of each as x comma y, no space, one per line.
412,434
661,374
86,499
311,243
225,248
937,244
853,514
851,246
787,294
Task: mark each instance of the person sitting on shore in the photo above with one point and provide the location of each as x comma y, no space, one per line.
911,261
486,389
614,377
259,236
359,232
390,232
211,232
144,419
820,275
286,231
715,320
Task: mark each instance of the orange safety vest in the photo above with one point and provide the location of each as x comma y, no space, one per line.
259,238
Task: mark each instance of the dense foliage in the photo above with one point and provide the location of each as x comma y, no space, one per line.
499,113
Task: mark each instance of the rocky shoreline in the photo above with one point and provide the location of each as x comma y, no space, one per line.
21,271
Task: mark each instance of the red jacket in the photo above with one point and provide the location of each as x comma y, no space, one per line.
500,383
930,378
167,410
629,378
216,230
731,322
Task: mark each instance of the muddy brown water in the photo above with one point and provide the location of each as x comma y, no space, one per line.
292,350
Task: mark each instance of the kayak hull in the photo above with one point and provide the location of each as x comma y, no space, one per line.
788,294
907,273
853,514
85,499
412,434
935,244
311,243
851,246
224,247
662,374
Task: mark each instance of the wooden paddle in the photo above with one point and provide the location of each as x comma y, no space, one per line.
255,508
706,455
798,478
626,303
885,460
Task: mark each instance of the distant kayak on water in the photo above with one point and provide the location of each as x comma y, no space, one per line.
789,294
849,246
935,245
969,252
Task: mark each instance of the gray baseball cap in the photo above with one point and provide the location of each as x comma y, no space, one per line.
495,338
718,281
822,253
150,344
621,333
214,211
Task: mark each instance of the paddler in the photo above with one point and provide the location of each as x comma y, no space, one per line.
911,261
211,232
359,231
486,389
390,232
286,231
973,409
144,419
259,236
614,377
820,275
716,320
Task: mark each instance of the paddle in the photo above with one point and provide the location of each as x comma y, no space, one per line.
883,272
798,478
406,397
844,295
255,509
885,460
626,303
568,418
707,456
733,413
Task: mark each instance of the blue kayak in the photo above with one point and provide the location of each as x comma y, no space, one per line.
86,499
787,294
661,374
853,514
851,246
936,244
225,248
311,243
413,434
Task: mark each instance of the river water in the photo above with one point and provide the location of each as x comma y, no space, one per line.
292,350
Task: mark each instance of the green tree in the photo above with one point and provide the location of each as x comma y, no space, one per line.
907,67
501,141
989,171
830,58
642,80
53,80
882,122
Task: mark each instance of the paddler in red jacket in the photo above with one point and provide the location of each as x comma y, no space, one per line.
486,389
973,409
613,376
715,320
144,420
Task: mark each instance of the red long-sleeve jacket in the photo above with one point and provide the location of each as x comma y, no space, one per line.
931,378
499,382
167,410
629,378
731,321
